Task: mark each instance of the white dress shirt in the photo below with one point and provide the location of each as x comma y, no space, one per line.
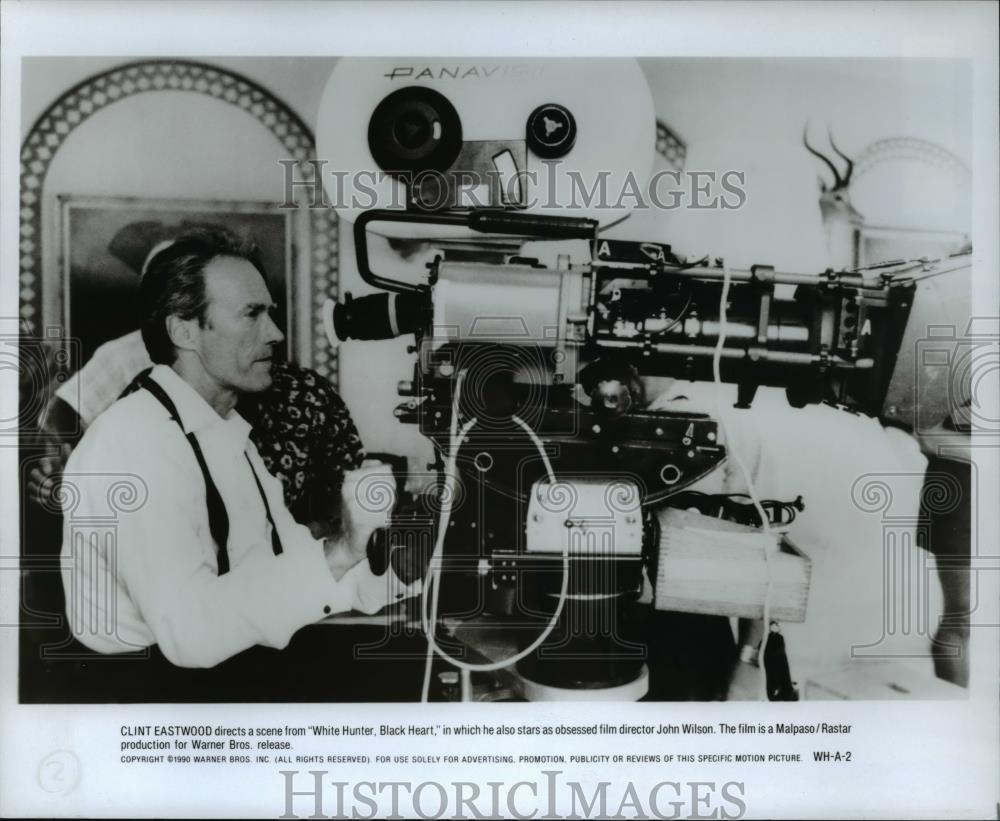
868,572
138,560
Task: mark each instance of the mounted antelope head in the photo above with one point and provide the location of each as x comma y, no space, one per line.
841,222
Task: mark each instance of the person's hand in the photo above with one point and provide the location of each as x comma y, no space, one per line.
409,562
957,441
338,556
44,477
368,497
745,683
321,528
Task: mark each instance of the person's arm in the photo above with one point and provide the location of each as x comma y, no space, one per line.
61,419
750,634
745,684
80,399
166,563
367,498
94,388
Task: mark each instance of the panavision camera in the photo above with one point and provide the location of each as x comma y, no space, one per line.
534,333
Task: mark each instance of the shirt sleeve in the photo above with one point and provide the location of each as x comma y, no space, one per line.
165,562
367,592
93,388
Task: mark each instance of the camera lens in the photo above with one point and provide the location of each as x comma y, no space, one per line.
415,129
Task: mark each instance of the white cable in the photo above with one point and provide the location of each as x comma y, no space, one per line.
436,572
429,618
539,445
735,454
455,442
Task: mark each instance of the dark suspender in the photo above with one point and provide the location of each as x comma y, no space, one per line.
275,538
218,519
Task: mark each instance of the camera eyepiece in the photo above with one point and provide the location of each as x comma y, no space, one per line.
381,316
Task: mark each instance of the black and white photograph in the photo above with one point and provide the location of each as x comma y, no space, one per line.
358,393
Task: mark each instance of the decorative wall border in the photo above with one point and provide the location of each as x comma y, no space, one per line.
79,103
910,148
670,146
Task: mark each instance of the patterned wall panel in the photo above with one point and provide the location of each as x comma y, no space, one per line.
671,147
75,106
910,148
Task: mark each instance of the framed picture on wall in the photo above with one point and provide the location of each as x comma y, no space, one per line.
104,242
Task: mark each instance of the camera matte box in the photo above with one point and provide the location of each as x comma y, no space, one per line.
713,566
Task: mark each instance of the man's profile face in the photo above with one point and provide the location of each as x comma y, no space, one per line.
238,338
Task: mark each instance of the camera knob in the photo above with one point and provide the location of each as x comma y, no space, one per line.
414,129
551,131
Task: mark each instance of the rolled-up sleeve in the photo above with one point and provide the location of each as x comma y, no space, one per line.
358,589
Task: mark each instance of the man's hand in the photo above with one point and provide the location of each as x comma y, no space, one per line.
408,561
745,684
368,497
44,477
339,557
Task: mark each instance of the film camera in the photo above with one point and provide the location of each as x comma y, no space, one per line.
534,335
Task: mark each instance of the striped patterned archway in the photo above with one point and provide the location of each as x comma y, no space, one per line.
81,102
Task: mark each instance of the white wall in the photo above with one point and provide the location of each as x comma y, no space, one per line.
748,114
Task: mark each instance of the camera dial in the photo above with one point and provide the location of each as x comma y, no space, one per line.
551,131
415,129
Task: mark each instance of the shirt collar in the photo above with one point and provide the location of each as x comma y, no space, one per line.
196,414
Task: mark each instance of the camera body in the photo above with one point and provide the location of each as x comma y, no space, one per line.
551,360
534,334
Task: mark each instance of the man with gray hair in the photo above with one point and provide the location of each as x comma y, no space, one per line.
210,562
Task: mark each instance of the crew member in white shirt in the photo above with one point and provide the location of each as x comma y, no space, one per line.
203,559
